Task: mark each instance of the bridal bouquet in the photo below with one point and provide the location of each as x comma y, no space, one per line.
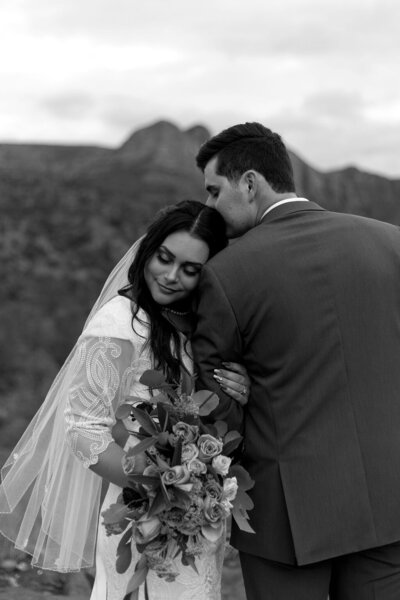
182,481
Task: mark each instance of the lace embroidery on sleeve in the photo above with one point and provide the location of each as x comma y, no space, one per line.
103,363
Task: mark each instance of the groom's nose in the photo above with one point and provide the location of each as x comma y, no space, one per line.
209,201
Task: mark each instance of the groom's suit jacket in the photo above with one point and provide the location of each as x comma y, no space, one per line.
309,302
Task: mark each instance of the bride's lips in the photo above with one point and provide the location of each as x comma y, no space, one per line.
166,290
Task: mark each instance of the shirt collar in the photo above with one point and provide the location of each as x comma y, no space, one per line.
281,202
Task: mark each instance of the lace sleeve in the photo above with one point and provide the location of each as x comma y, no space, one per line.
103,373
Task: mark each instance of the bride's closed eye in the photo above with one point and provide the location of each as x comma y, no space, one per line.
191,271
188,269
163,258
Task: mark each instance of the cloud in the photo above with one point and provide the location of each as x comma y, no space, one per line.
226,26
99,69
69,106
334,131
334,105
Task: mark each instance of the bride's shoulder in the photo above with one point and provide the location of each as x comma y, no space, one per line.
114,319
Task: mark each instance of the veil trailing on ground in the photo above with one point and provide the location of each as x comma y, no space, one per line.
49,502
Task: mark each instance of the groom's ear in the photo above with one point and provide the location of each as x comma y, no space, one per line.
250,183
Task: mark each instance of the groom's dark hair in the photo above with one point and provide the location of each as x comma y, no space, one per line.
249,146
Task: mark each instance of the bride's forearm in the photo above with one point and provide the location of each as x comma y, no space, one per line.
109,465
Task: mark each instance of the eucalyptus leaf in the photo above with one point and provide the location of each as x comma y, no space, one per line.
206,400
163,416
232,435
243,500
153,379
145,421
245,482
209,405
124,558
167,499
202,396
158,504
115,513
171,393
208,428
231,445
162,463
125,539
123,411
241,521
137,579
221,428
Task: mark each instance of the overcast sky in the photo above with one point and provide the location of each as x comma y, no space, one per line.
323,73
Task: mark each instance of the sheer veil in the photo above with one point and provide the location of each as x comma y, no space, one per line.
49,503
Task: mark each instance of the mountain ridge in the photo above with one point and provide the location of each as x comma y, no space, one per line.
154,155
198,133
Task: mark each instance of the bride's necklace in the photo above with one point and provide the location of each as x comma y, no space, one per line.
181,313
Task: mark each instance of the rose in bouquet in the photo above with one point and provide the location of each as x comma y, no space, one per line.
182,481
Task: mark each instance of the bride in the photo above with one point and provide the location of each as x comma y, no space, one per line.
51,483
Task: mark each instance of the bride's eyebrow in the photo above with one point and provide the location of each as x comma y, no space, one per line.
172,255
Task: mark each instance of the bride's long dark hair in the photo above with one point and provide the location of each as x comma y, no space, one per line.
198,220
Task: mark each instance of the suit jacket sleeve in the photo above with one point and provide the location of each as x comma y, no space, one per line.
216,339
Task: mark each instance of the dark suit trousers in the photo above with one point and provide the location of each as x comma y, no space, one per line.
369,575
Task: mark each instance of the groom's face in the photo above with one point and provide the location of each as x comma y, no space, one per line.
230,199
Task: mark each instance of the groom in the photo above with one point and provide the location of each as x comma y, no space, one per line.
309,301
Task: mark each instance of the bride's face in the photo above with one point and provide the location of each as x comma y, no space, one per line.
173,271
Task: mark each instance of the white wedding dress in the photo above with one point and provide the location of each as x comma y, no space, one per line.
112,357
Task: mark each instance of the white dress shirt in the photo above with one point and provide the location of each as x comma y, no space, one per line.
282,202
